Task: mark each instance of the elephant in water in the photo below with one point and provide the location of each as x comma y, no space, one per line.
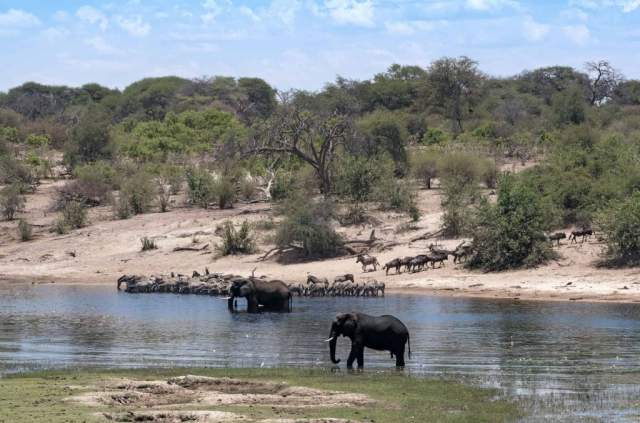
382,333
260,294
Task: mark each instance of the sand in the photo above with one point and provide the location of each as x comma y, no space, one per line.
108,248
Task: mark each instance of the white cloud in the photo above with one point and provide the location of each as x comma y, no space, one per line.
134,26
213,9
579,34
249,13
534,31
489,4
351,11
93,16
101,45
54,33
284,10
630,6
626,6
61,16
15,19
408,27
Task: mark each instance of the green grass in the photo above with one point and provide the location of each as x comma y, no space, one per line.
40,397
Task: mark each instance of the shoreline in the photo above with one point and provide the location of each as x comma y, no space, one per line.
446,289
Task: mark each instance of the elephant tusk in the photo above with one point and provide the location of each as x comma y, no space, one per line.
330,339
226,298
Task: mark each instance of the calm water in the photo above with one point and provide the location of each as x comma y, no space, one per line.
558,359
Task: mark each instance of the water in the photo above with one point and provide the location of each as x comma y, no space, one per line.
557,359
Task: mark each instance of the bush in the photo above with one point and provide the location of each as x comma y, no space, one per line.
434,136
456,201
358,177
620,223
201,186
247,188
60,227
424,166
396,194
74,215
25,230
138,193
236,241
459,166
148,244
510,234
92,187
224,192
11,200
489,173
307,226
14,172
164,196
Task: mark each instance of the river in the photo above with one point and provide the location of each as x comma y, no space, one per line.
562,361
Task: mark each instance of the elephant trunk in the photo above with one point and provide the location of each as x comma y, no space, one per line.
333,339
230,302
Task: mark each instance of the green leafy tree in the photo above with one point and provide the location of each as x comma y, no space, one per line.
569,106
385,133
510,234
90,140
620,223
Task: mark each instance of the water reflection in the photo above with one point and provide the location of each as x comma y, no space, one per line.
567,359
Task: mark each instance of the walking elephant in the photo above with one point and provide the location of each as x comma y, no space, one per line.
382,333
260,294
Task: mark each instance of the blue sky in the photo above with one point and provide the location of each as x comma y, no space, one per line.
303,43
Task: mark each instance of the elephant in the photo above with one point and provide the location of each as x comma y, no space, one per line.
382,333
268,295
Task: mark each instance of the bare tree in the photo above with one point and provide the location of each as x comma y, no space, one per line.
603,80
311,138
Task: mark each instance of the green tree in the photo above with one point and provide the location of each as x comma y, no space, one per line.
569,106
620,223
11,200
385,132
510,234
90,140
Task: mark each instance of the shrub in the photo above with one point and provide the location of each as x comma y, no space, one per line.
138,192
173,176
14,172
164,196
25,230
460,166
283,185
307,227
358,177
247,188
620,223
434,136
148,244
201,186
424,166
355,215
92,187
510,233
396,194
121,209
11,200
60,227
224,192
236,241
456,201
489,173
74,215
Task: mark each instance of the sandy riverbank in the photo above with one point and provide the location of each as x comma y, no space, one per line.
107,248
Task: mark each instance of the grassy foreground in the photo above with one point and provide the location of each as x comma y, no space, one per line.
43,396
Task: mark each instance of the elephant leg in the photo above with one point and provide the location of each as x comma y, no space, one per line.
360,357
355,351
400,356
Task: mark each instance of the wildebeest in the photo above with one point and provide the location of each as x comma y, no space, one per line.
437,258
418,262
367,260
557,237
406,262
584,233
438,250
462,251
393,264
344,278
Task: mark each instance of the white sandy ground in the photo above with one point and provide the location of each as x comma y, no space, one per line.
108,248
190,398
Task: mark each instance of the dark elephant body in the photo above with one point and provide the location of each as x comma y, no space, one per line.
270,295
382,333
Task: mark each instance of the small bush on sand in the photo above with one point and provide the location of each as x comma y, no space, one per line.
424,166
236,241
25,230
620,223
11,200
510,234
148,244
201,185
60,226
224,192
138,191
74,215
164,196
307,227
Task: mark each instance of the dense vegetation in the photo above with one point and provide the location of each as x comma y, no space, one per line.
361,144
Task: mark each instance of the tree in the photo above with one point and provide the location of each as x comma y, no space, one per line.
424,166
568,107
90,140
546,82
510,233
261,97
11,201
628,93
603,81
384,132
309,137
620,222
453,85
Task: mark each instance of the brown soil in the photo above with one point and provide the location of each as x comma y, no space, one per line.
175,399
107,248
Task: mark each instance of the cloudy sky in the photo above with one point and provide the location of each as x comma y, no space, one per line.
303,43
